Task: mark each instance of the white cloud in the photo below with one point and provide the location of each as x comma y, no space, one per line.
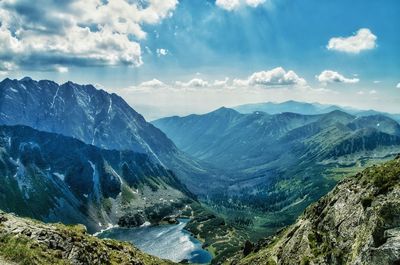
221,83
272,78
360,92
398,85
255,3
79,32
231,5
329,76
62,69
228,4
194,83
376,81
162,52
154,83
373,92
364,39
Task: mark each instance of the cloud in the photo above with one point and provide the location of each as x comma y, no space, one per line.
221,83
76,32
363,40
231,5
162,52
272,78
398,85
62,69
373,92
255,3
154,83
194,83
329,76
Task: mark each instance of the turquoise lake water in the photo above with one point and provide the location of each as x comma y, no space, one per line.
165,241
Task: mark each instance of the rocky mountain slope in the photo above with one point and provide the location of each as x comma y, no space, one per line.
356,223
94,117
52,177
24,241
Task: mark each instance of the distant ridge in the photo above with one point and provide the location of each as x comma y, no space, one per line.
306,108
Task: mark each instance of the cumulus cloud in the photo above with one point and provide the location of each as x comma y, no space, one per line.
221,83
76,32
398,85
194,83
272,78
231,5
162,52
329,76
362,40
154,83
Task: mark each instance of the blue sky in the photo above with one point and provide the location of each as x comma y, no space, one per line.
339,52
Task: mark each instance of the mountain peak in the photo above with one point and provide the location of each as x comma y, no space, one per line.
26,79
225,110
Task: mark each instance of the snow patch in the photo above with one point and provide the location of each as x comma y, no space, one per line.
147,223
110,106
13,90
59,175
96,181
54,98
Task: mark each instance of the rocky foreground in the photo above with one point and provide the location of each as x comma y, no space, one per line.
25,241
356,223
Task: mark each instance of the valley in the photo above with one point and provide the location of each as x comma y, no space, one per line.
278,164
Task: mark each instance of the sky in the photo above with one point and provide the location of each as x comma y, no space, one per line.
170,57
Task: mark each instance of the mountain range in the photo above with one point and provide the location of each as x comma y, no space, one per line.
307,109
280,163
75,154
94,117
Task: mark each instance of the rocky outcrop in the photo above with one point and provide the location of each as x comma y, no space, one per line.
24,241
356,223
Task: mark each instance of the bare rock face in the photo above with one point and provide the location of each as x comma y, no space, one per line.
357,223
23,240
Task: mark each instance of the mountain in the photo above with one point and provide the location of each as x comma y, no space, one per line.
278,164
358,222
25,241
55,178
287,106
307,109
229,139
94,117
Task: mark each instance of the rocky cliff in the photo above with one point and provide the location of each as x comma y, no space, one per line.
356,223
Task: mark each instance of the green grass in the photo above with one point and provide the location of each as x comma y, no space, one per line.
22,250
